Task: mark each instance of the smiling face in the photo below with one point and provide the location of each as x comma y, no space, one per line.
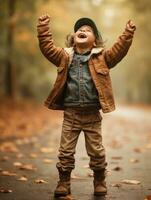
84,37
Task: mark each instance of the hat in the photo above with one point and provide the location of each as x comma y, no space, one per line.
86,21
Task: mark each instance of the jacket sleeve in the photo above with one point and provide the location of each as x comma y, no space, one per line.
120,48
49,50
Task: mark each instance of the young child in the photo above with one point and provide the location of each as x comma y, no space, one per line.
82,88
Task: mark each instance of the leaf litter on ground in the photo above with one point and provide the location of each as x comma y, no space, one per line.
117,168
5,190
17,164
47,161
28,167
131,182
134,160
4,158
22,166
40,181
8,173
47,150
118,185
9,147
22,178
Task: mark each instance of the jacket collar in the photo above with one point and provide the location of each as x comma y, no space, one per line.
70,52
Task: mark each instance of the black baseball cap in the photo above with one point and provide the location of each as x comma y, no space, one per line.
86,21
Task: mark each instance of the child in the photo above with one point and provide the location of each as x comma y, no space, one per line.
82,88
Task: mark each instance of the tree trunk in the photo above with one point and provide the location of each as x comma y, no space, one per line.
10,67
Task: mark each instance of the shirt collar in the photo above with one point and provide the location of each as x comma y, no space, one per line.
70,51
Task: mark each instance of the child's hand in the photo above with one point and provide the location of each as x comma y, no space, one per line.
130,26
44,19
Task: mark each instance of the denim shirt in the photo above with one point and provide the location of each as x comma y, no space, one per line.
80,90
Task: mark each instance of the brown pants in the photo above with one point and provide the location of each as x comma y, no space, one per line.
75,121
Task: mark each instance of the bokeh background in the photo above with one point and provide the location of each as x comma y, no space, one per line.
30,133
25,73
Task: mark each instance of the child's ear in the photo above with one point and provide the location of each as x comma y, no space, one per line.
94,43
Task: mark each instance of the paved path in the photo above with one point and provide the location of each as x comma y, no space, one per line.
127,138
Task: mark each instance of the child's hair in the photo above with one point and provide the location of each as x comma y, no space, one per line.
70,41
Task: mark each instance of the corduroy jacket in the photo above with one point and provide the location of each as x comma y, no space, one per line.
100,63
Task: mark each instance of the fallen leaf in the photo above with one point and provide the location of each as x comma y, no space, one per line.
17,164
7,173
137,150
46,150
40,181
20,155
118,185
47,161
3,190
8,147
133,160
27,167
133,182
117,168
4,158
22,178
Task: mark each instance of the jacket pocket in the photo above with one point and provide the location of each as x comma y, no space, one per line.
59,69
101,70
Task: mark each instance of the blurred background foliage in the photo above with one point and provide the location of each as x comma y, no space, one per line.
25,73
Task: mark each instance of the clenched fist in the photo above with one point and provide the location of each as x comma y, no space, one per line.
44,19
130,26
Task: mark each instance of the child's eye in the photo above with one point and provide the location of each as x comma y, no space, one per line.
88,30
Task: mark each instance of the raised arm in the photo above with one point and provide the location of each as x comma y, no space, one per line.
50,51
121,47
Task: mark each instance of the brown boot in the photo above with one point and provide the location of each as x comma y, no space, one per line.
100,187
63,187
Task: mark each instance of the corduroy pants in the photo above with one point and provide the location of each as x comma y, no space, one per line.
75,121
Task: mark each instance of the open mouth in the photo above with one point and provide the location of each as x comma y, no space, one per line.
82,35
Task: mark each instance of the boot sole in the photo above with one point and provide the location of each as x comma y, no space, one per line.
100,193
58,194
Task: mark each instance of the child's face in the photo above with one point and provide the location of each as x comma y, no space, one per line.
84,37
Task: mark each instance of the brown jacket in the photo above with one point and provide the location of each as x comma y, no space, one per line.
100,63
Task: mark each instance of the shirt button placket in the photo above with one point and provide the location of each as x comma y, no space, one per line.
80,80
82,89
